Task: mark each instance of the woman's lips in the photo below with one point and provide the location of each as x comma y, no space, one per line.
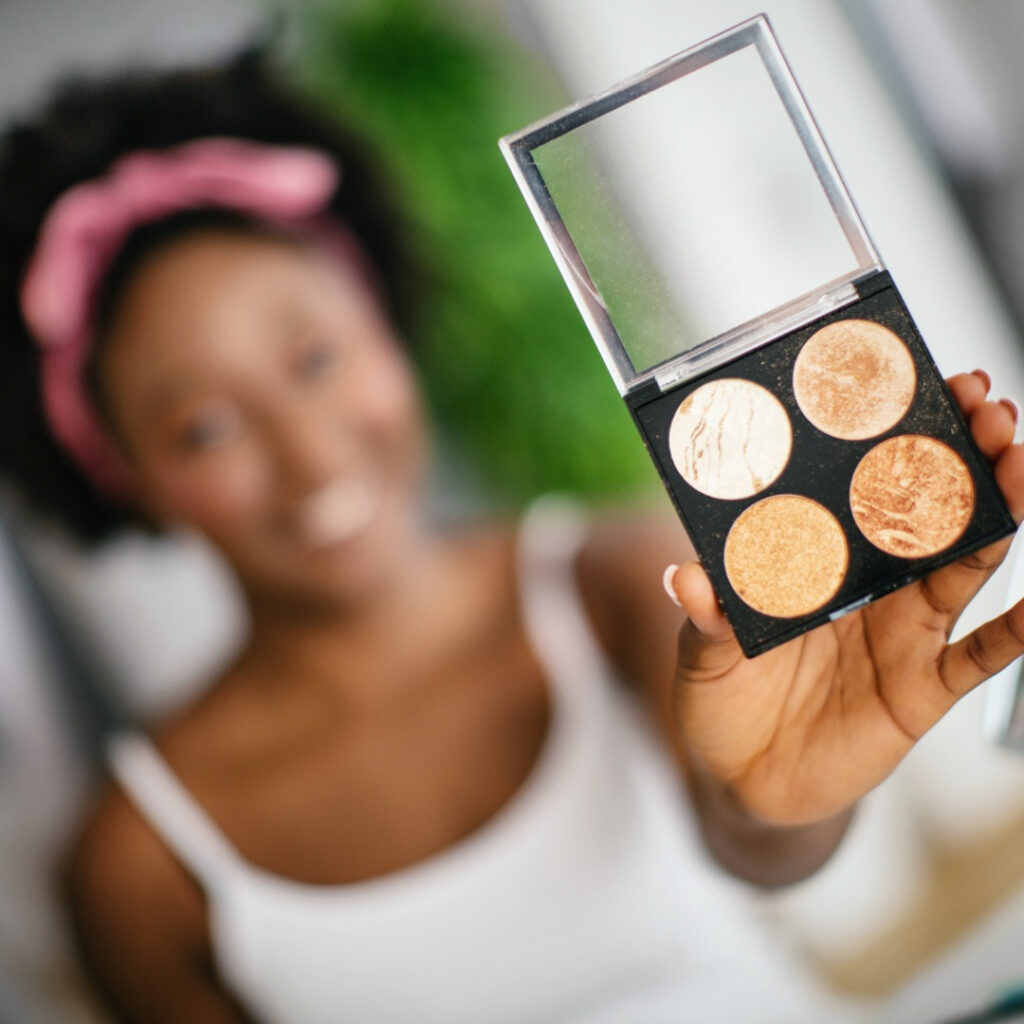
337,512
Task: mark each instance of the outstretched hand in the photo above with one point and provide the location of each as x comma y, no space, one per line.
802,731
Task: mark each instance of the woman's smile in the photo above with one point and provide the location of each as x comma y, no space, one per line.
336,513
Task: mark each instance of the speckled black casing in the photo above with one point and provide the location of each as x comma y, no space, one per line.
821,467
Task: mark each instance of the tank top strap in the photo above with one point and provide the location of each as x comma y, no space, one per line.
170,809
552,533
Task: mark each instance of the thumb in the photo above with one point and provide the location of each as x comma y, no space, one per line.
707,643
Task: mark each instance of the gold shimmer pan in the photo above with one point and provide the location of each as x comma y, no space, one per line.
801,428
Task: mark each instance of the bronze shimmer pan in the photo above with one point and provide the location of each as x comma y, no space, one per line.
783,391
912,496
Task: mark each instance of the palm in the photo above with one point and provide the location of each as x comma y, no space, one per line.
804,730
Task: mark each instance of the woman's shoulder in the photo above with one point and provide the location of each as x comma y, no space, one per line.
129,902
134,908
113,840
114,855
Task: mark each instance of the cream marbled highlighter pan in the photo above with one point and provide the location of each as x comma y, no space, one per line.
813,471
730,438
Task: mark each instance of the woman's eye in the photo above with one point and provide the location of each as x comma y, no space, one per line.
210,429
317,360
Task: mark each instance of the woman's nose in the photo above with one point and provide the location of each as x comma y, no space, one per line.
313,443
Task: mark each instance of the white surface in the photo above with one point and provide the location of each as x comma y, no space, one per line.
876,876
1003,689
987,965
42,782
961,110
40,39
157,617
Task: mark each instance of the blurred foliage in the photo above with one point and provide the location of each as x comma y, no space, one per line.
517,387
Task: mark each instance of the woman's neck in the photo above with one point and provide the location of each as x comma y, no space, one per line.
369,652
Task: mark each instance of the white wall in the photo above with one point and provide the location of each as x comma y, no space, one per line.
40,38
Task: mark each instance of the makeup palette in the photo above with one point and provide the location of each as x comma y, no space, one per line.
801,428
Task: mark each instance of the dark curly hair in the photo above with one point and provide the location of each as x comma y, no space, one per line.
86,126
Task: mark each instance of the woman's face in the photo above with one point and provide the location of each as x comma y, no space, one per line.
261,397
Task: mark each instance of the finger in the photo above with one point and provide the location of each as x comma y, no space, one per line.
695,595
993,425
707,643
969,389
1013,410
950,589
983,653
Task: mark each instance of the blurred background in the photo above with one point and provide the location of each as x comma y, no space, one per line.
923,908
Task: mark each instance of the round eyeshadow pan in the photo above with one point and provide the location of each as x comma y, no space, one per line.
786,555
854,379
730,438
912,496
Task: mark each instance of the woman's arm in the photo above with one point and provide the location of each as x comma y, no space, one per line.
766,855
140,924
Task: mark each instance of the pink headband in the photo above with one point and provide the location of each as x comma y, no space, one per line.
86,227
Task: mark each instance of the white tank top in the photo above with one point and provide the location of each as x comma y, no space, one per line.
586,899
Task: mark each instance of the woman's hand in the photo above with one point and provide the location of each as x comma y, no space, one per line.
800,733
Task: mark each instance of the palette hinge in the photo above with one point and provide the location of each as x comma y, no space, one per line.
873,284
646,392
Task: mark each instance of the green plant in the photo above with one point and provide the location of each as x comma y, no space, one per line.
516,386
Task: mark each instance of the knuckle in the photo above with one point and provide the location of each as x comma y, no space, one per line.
1016,630
980,655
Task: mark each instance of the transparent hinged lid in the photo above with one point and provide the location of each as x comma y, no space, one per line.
694,210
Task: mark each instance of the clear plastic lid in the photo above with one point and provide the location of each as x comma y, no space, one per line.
694,210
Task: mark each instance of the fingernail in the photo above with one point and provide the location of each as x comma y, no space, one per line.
666,582
984,376
1009,405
